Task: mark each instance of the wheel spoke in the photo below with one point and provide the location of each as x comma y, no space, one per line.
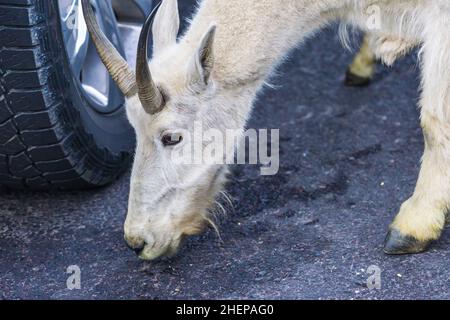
75,33
98,87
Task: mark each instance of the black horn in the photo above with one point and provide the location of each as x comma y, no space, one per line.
149,94
116,65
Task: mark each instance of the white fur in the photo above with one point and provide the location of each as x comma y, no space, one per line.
252,39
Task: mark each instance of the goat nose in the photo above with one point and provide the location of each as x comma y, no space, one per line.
138,250
137,245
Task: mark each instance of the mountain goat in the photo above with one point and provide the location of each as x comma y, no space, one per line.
212,74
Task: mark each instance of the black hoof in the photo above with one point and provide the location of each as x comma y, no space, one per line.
353,80
396,243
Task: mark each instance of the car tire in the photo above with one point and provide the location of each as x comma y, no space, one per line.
50,136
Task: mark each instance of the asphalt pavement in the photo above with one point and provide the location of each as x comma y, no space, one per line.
349,157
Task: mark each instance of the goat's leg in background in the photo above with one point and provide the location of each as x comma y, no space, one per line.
374,48
362,69
422,217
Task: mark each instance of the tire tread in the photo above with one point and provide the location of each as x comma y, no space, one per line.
40,148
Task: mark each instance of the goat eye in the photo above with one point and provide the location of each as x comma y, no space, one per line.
171,139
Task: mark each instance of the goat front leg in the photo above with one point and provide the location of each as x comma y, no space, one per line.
362,69
386,48
422,217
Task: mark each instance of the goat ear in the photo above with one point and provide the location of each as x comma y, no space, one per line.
203,62
166,25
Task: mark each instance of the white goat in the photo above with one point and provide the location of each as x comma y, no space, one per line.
213,73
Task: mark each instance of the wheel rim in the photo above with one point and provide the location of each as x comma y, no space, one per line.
120,26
